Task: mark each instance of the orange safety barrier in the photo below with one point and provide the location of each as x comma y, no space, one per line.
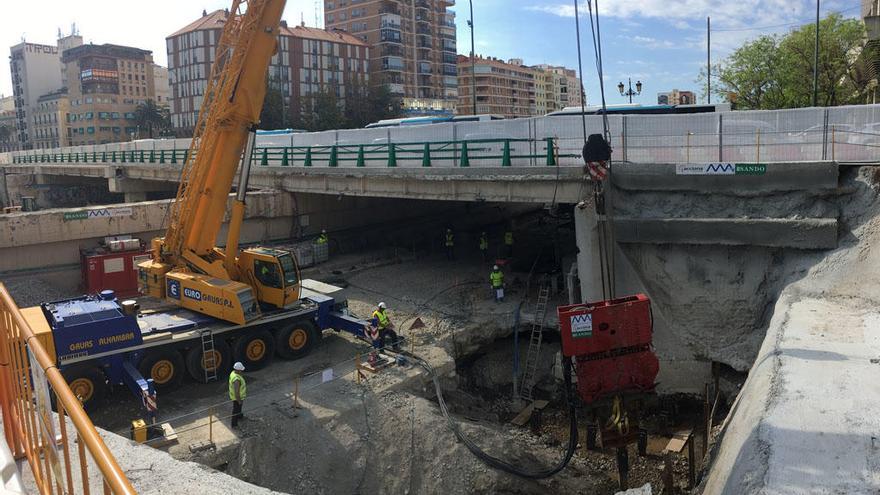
26,375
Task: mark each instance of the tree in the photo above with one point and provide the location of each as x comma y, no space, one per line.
322,111
365,103
273,114
152,117
777,71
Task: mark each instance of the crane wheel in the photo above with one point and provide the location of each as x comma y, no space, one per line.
165,367
196,362
254,350
88,383
296,340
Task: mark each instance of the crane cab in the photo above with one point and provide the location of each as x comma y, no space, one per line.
273,274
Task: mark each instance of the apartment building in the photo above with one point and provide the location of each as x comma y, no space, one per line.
309,61
106,84
502,88
8,142
49,120
160,83
567,88
413,48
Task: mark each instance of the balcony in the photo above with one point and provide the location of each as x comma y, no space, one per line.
389,8
424,68
449,71
422,4
389,36
392,50
395,88
392,64
424,31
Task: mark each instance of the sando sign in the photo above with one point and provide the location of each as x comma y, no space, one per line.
720,168
99,213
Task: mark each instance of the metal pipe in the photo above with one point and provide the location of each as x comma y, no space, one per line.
246,160
816,61
473,62
708,60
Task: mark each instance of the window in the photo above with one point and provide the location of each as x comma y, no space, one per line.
91,130
267,273
129,115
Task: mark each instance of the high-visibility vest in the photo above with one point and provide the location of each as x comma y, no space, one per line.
322,239
508,238
484,243
497,279
235,377
449,239
382,317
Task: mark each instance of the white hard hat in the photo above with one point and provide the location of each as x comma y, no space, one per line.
238,366
382,305
495,267
323,231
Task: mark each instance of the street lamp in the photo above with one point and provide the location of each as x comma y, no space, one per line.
629,92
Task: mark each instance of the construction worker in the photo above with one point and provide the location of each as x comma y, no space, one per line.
508,243
322,239
237,392
450,245
484,246
385,327
496,279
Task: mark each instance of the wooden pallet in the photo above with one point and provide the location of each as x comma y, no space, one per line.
523,417
381,363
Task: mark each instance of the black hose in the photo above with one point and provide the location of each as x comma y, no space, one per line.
495,462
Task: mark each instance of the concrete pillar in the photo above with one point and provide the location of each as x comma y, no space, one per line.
135,197
586,231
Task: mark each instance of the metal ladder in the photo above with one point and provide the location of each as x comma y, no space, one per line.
208,356
532,358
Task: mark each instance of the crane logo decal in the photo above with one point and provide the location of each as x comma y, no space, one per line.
192,293
173,290
581,326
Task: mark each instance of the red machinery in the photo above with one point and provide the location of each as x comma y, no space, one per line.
611,343
113,266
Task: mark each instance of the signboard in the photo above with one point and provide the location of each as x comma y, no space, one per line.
99,213
44,411
720,168
581,326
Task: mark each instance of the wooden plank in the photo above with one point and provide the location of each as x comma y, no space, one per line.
169,437
523,417
678,441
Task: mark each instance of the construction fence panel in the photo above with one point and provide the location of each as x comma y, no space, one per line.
854,133
490,141
408,144
670,138
363,147
568,134
772,135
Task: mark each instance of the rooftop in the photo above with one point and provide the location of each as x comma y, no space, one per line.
217,18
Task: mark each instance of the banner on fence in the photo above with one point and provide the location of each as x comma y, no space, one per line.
100,213
720,168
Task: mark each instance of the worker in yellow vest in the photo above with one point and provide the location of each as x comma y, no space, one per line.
384,327
484,246
323,239
496,279
237,392
450,245
508,243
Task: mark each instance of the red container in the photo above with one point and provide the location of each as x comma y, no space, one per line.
118,271
605,325
599,378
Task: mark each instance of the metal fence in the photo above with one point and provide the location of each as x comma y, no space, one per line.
30,385
848,133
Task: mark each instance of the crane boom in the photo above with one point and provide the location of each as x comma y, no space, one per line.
187,266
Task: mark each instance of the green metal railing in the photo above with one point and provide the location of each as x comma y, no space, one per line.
499,152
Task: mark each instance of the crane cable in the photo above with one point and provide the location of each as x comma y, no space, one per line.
601,190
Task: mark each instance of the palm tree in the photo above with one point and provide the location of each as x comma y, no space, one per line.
148,115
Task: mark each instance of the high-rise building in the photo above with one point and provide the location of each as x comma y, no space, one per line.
106,83
36,70
160,83
502,88
676,97
413,47
49,120
309,61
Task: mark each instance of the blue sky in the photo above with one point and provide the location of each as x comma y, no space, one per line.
661,42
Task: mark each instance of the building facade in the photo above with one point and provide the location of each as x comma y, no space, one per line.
8,136
413,47
567,89
35,71
160,83
308,61
49,120
106,84
502,88
676,97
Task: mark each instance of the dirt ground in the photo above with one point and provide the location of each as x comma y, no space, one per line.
385,433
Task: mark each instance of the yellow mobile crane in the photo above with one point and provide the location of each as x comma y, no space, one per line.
187,267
